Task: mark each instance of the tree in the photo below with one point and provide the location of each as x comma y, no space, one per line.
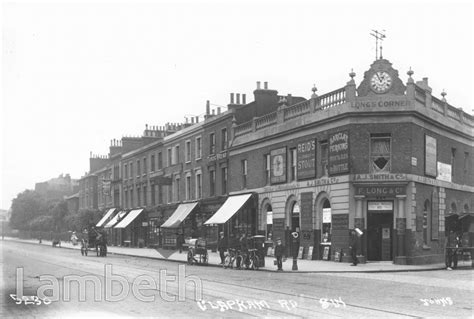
25,207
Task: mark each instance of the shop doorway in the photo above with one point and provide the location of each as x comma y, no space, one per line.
379,231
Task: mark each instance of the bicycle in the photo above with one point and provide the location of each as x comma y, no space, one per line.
230,258
254,260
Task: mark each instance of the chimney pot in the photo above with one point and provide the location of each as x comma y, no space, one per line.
208,107
231,98
213,112
218,110
265,85
258,85
192,120
238,98
197,119
243,99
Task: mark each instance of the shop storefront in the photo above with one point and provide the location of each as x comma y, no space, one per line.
134,229
179,225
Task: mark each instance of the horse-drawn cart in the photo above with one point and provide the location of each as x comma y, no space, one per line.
197,251
93,239
459,238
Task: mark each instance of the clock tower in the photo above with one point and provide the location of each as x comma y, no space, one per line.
381,79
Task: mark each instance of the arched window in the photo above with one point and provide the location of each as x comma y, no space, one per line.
454,208
326,222
295,217
269,221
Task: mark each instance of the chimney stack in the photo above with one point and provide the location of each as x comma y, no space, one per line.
243,99
213,112
231,98
238,98
265,85
218,110
208,107
258,85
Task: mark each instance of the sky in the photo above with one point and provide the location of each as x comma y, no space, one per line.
76,75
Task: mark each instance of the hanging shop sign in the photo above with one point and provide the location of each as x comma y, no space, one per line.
339,153
430,156
278,162
306,159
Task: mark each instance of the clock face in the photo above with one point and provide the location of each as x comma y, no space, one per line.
278,165
381,81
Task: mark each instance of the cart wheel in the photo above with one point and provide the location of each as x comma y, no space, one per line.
190,257
255,263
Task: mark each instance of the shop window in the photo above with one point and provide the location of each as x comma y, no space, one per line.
267,168
293,164
380,154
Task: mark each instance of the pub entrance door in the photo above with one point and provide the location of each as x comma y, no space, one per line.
380,231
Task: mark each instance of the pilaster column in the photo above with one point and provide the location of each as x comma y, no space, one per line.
401,228
359,222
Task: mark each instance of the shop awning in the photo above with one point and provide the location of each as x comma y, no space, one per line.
115,219
106,216
179,215
230,207
129,218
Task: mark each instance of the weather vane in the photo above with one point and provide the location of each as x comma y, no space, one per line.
378,36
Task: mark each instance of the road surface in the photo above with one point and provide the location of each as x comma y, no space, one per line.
56,282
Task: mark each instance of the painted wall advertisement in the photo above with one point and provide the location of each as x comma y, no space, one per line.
278,162
430,156
306,160
339,153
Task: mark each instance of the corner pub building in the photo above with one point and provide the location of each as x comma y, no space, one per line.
384,156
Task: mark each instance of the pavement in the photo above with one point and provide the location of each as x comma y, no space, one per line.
304,266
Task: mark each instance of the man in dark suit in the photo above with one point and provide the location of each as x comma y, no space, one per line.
221,246
279,252
353,247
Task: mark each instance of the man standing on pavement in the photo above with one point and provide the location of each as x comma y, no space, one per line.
279,249
353,247
221,246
